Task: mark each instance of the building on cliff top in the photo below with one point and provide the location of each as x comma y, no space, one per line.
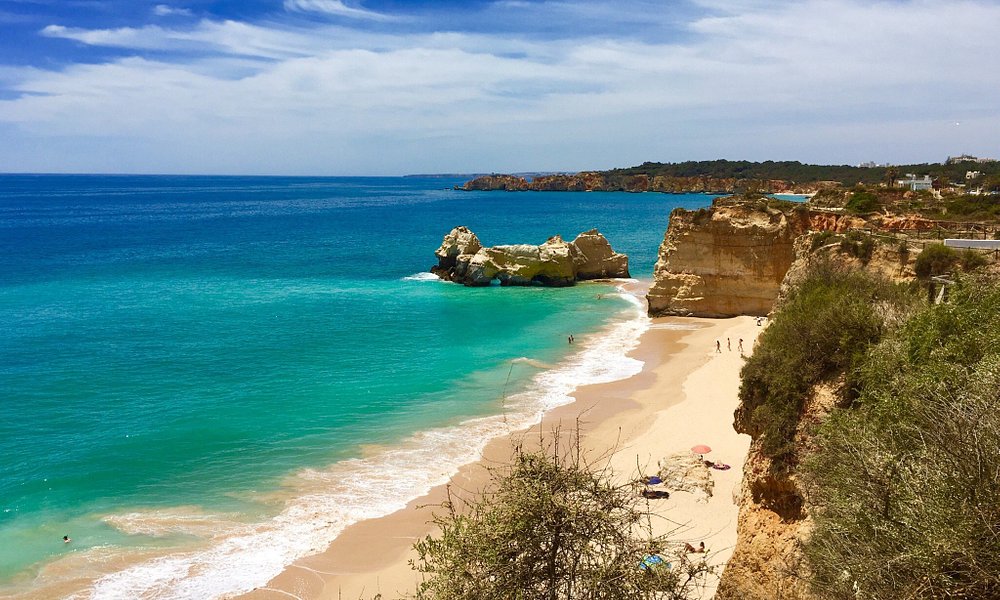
915,184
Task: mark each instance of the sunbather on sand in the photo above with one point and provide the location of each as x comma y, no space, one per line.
689,548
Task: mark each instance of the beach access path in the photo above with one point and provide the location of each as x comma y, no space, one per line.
685,395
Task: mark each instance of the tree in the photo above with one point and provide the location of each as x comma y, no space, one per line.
551,527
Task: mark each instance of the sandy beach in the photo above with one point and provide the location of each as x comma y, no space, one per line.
685,395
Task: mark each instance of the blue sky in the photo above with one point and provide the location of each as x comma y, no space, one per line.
369,87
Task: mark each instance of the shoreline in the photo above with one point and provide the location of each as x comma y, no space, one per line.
376,484
684,394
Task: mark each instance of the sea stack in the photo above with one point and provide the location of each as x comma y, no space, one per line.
556,263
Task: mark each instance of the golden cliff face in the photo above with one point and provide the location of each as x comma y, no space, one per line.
731,259
724,261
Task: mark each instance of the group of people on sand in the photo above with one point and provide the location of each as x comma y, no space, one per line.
729,346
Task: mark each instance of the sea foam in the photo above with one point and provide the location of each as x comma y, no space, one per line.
425,276
325,501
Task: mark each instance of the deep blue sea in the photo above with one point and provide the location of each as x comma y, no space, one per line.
204,378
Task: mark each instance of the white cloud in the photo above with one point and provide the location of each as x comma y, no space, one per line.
334,7
163,10
822,80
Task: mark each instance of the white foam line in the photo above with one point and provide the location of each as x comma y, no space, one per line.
425,276
354,490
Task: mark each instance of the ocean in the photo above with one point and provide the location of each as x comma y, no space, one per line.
204,378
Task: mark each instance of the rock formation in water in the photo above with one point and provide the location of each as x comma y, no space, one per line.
595,259
557,263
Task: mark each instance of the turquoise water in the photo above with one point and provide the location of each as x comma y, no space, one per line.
186,359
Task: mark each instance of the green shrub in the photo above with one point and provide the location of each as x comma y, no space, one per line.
823,329
862,202
859,245
935,259
972,260
551,527
905,482
821,239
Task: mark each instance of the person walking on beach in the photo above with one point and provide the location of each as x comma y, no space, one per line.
729,345
741,346
718,346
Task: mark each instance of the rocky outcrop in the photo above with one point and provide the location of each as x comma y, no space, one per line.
496,182
595,181
686,472
731,259
724,261
557,263
595,259
890,261
774,520
775,514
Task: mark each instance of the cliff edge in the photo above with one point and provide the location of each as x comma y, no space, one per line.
723,261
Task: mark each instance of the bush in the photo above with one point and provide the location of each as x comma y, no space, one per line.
862,202
935,259
821,239
972,260
858,245
554,528
904,485
823,329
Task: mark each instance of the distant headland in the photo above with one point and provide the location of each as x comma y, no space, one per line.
726,177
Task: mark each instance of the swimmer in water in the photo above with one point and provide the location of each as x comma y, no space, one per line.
66,539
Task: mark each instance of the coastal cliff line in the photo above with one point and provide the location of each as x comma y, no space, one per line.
556,263
828,281
597,181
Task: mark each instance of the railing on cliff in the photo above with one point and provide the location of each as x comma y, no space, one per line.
943,230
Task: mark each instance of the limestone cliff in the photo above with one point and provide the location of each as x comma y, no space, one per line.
774,519
775,514
724,261
731,259
463,259
595,259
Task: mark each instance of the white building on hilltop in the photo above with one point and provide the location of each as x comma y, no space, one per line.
953,160
915,184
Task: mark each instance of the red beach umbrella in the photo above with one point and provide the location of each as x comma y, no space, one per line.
700,449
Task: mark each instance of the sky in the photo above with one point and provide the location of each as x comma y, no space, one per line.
390,87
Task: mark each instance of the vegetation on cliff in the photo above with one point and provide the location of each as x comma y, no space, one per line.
554,527
823,329
902,479
803,173
907,481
